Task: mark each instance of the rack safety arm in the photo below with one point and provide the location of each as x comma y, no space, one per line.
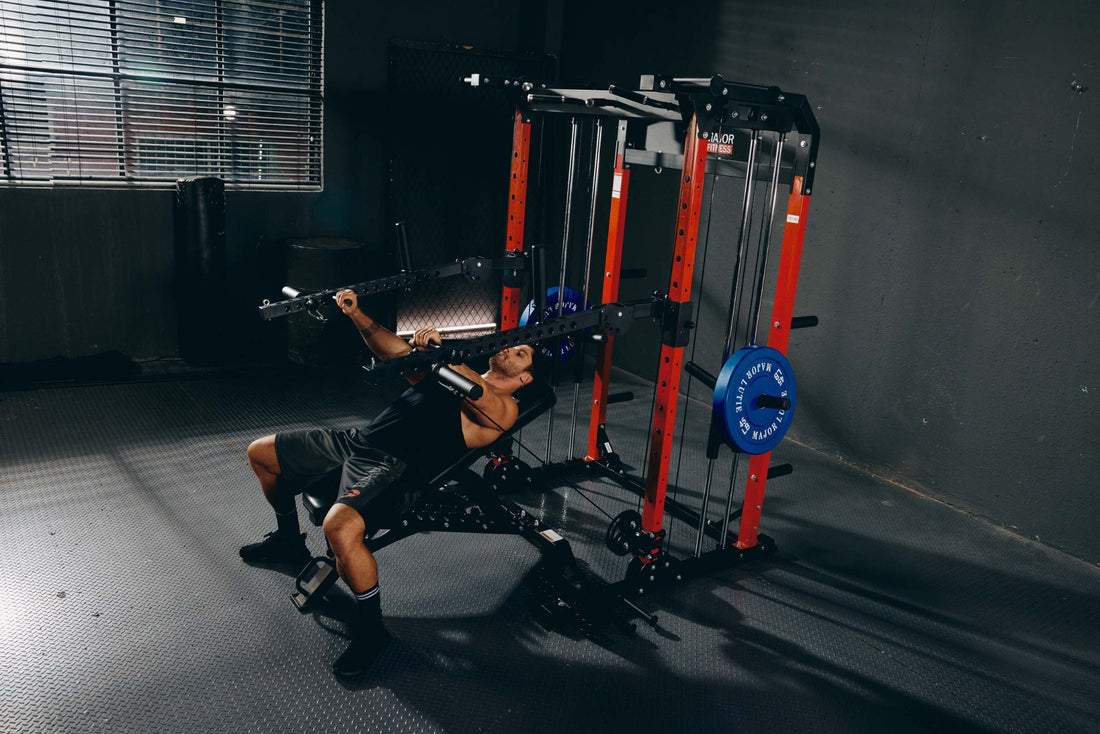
471,268
608,319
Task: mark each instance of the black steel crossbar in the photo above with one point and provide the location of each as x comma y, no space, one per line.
471,268
610,318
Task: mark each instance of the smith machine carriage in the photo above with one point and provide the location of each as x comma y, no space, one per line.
762,135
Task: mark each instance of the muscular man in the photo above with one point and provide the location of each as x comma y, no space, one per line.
380,467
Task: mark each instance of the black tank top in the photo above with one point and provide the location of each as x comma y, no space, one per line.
423,428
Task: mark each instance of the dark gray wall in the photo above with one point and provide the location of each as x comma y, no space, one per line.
85,271
950,252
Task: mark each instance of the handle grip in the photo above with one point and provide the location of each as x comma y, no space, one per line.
457,383
453,381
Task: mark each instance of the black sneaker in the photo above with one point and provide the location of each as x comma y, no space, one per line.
278,548
361,653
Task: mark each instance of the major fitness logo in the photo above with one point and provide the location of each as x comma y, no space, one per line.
720,143
759,431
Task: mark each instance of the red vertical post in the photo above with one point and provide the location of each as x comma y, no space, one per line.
517,210
679,291
620,187
779,338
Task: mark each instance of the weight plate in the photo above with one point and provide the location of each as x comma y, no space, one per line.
748,374
570,305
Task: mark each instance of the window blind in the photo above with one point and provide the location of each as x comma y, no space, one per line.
142,92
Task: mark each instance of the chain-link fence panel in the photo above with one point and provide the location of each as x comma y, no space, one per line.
450,150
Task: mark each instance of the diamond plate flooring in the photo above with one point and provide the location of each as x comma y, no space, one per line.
126,609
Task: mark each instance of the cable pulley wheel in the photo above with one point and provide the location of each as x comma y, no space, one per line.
622,531
754,399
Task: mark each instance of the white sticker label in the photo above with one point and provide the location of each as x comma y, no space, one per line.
792,219
550,535
616,186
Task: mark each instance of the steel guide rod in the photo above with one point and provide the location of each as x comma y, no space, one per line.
705,510
762,256
587,268
743,235
567,226
566,231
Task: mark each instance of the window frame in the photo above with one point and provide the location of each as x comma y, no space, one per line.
129,135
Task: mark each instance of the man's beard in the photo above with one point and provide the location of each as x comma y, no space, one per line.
504,366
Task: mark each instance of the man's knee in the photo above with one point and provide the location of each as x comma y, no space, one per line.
261,455
343,528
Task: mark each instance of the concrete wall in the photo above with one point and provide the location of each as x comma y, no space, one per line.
85,271
950,252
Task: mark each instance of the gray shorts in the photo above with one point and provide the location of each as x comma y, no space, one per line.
340,465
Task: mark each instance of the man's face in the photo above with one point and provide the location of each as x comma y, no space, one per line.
513,360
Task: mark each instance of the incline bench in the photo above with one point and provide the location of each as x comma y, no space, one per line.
456,500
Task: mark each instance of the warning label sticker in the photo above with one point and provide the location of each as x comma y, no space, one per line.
550,535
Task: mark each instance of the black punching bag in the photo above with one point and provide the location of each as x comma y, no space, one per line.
202,286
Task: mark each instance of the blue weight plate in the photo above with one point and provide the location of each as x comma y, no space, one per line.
570,305
746,375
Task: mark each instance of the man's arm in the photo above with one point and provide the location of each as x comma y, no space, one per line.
492,410
383,342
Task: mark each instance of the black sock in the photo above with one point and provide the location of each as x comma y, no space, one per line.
369,637
286,512
288,524
369,607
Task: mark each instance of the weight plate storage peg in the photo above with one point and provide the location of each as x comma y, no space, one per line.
570,304
754,399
